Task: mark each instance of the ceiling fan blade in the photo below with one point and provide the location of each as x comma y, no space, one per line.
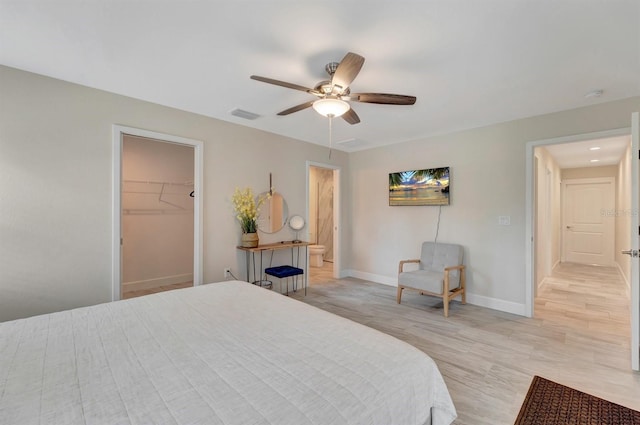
383,98
285,84
347,71
351,117
296,108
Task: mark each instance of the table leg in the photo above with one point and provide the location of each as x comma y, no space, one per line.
246,257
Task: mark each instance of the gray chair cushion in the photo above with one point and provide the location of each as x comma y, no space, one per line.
424,280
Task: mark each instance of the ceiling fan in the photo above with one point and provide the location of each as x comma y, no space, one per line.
335,94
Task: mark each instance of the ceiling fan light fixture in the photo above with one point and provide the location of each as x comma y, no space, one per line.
331,106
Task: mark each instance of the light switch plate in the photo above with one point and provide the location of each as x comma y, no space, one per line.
504,220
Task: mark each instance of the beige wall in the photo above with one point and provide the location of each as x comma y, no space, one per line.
590,172
623,215
56,194
548,214
487,181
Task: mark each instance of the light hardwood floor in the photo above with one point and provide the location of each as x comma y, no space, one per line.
320,275
579,338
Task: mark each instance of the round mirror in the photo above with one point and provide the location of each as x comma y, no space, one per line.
273,213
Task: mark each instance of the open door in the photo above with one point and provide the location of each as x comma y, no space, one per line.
635,242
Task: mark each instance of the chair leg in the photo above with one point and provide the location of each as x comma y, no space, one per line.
399,294
445,294
463,285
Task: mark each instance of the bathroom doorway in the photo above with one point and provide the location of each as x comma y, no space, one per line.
323,222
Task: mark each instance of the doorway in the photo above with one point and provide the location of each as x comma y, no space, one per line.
544,232
323,218
580,223
157,216
157,212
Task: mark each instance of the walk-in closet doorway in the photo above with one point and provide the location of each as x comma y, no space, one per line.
157,213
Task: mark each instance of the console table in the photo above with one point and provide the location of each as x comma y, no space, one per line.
295,258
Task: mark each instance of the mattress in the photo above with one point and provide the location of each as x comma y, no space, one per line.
222,353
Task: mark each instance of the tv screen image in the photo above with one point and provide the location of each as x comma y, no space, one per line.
430,186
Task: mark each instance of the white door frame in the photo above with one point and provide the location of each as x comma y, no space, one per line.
118,133
530,213
337,225
635,242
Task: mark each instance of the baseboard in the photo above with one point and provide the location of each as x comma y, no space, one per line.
497,304
385,280
479,300
158,281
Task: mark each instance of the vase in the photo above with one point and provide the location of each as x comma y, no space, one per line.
249,240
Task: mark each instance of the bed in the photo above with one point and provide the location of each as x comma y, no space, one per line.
222,353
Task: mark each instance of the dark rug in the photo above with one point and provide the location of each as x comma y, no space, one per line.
550,403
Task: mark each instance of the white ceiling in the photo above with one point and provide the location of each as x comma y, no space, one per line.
580,154
470,63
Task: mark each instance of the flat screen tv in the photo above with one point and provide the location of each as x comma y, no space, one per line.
420,187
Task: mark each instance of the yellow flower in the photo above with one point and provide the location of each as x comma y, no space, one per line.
247,208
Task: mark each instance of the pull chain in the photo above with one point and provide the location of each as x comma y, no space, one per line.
330,134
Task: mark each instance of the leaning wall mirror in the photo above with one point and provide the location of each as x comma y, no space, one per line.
273,213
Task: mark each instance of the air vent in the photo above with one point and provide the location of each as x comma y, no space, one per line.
244,114
594,93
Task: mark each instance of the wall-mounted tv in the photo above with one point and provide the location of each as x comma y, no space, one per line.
420,187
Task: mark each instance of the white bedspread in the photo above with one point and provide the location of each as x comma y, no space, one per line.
223,353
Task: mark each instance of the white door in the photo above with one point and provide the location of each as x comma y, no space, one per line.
635,244
588,221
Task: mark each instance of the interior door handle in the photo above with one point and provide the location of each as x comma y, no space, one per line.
630,252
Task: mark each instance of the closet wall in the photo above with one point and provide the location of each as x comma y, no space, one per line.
157,213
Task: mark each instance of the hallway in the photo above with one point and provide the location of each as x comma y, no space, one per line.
594,300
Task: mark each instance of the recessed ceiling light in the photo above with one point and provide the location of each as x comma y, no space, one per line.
594,160
595,148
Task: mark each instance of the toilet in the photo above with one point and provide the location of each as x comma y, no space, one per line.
316,254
